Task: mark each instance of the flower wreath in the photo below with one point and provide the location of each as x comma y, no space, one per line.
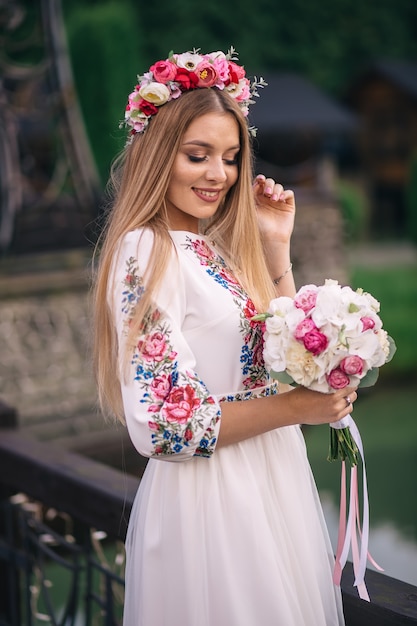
169,79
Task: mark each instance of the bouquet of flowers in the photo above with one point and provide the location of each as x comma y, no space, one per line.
327,338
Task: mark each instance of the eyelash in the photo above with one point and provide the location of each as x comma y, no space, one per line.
196,159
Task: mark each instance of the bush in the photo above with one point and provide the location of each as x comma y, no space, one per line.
105,58
354,210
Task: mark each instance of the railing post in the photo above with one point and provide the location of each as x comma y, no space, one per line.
9,574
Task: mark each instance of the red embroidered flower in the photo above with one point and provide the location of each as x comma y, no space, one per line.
202,250
249,311
180,404
153,347
161,386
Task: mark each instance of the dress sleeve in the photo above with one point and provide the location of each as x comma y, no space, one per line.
169,412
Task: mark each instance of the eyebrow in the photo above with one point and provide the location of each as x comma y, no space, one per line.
204,144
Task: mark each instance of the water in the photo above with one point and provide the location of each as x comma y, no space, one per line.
387,421
392,548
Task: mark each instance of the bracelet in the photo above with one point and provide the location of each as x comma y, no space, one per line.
276,281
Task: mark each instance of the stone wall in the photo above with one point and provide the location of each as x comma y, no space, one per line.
45,369
318,246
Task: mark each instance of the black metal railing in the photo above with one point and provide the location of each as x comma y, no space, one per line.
61,513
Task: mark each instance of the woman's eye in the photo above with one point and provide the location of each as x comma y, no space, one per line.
196,159
231,161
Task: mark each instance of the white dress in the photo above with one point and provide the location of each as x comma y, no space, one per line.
233,536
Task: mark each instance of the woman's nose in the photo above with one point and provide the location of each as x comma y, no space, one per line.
216,170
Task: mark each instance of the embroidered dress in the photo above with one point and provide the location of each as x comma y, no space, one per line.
230,536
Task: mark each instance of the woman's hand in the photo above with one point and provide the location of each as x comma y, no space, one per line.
276,210
314,407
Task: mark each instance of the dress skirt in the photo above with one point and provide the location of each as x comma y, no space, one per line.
235,540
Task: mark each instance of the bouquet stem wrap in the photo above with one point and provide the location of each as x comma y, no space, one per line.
352,534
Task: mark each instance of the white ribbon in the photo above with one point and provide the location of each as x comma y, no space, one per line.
348,529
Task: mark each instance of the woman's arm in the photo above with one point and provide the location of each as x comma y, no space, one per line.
242,420
276,213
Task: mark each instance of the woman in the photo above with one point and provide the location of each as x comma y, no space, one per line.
226,528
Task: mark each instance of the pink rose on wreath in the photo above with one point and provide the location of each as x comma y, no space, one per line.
337,379
306,299
222,68
161,386
181,404
315,341
206,73
352,365
153,347
236,72
164,71
243,93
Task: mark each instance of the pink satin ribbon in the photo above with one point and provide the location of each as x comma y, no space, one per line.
351,535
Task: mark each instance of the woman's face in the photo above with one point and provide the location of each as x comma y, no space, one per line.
204,170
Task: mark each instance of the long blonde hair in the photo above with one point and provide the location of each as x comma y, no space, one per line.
139,182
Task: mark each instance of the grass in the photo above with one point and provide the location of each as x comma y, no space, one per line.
396,290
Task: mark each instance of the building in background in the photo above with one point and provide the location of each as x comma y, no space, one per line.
384,97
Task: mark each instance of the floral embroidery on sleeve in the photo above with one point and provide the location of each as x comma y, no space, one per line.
181,410
133,290
251,357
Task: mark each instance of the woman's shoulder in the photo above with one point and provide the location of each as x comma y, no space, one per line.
140,243
137,236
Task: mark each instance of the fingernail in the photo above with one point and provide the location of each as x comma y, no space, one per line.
268,191
274,197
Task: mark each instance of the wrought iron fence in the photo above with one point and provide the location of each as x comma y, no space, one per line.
89,589
63,519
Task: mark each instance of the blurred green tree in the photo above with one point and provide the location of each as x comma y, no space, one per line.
104,44
328,41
